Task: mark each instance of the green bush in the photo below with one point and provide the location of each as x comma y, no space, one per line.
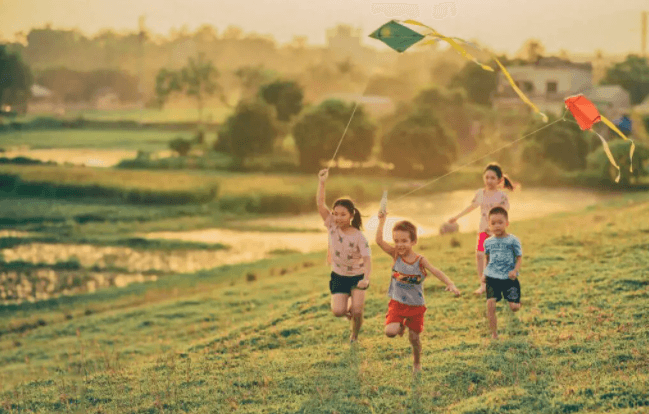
599,164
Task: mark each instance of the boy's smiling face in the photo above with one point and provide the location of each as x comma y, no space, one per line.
402,242
498,224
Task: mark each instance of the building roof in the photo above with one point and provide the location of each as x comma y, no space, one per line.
606,93
555,62
39,91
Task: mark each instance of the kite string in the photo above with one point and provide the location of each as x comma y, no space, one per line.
330,164
478,159
344,132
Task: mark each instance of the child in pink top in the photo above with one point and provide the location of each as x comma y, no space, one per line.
487,198
349,256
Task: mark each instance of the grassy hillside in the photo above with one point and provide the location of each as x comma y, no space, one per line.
260,338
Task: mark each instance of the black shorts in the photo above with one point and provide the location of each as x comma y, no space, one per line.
343,284
507,288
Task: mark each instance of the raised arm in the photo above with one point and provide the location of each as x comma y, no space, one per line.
379,236
320,195
450,286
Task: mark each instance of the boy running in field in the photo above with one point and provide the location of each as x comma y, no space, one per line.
407,305
503,253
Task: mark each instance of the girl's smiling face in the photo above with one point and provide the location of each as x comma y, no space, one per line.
402,242
342,217
491,180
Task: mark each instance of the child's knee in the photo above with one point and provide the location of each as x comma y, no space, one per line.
515,307
357,313
414,337
339,312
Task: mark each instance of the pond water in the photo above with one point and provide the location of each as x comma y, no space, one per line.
428,213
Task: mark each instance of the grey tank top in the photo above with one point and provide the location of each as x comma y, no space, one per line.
406,282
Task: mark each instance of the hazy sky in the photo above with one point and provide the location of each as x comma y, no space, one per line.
579,26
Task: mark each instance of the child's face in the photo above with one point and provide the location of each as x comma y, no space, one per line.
490,179
498,224
342,217
402,241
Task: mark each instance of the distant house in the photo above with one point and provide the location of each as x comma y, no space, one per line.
43,101
611,100
549,81
106,99
643,107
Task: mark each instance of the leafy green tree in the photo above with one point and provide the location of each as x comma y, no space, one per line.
320,129
285,96
197,80
180,145
419,145
632,75
251,130
562,143
477,82
15,80
598,162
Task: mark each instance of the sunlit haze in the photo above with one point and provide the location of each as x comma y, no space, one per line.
577,26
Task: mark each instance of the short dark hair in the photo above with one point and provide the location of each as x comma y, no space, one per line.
406,226
499,210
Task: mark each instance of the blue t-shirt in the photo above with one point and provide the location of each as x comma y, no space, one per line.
502,252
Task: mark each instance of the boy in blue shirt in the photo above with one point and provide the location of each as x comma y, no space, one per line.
503,253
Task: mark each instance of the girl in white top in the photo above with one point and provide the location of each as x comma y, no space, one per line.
349,256
487,198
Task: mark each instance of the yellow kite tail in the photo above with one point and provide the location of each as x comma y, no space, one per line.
609,155
519,92
451,42
614,128
464,53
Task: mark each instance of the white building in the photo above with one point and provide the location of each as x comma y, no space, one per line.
549,81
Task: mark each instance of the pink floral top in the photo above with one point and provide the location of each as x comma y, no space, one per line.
486,203
346,251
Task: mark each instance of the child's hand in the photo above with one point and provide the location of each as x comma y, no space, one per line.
452,288
513,274
452,220
363,284
382,215
323,174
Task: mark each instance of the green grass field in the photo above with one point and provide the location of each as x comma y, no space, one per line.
169,114
92,139
260,338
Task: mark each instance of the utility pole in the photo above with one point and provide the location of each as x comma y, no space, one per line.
643,40
142,39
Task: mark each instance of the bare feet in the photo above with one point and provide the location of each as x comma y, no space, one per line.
481,290
416,369
494,337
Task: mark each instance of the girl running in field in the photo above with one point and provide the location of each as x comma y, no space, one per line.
407,305
487,198
349,256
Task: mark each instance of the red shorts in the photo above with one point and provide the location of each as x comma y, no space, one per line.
413,315
481,238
